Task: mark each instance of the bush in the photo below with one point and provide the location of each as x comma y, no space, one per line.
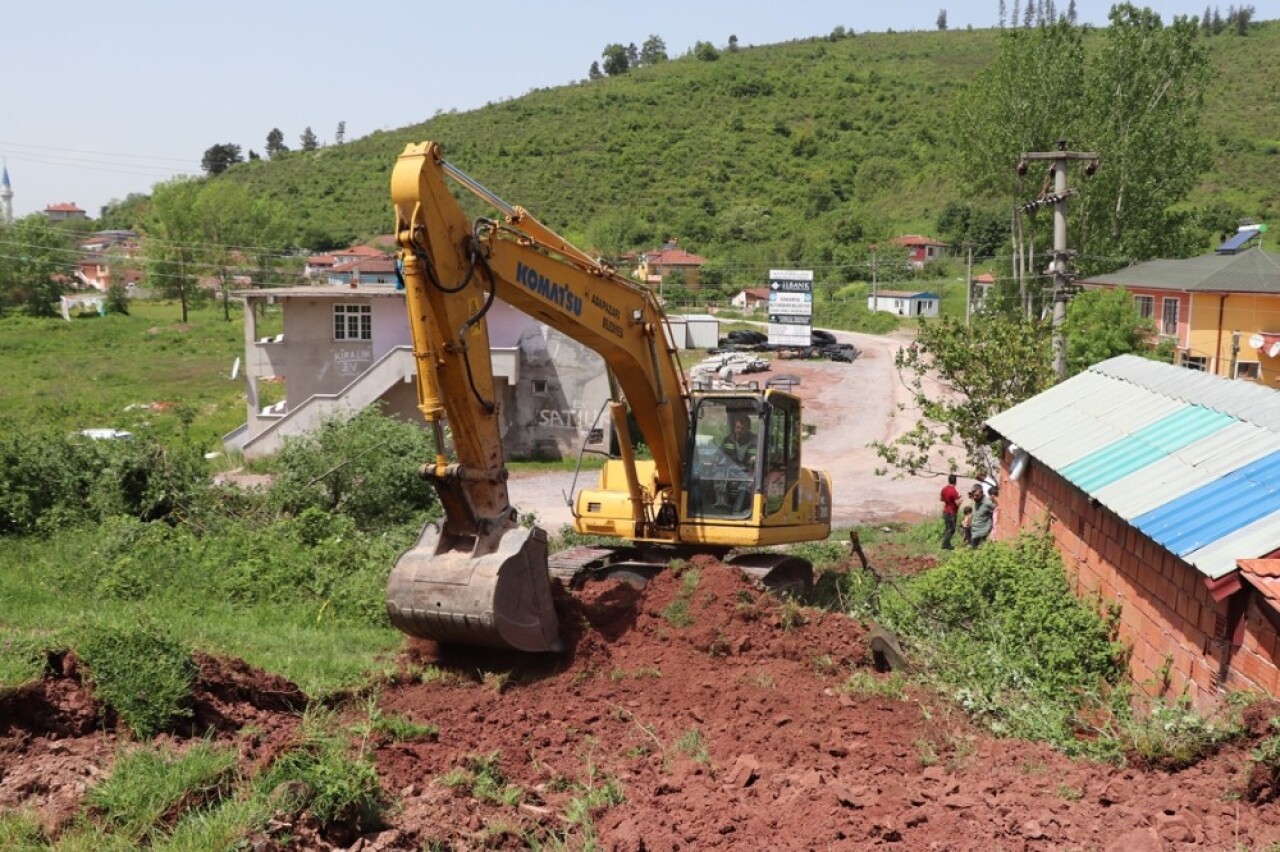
49,480
1007,637
364,467
140,673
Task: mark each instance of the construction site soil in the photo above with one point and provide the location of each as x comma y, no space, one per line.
725,728
719,714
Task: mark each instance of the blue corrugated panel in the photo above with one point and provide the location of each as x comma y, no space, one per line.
1216,510
1149,444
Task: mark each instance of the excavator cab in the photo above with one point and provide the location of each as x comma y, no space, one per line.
742,448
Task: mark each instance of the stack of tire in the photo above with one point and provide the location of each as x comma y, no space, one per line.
822,345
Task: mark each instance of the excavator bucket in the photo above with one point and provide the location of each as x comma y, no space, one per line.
493,591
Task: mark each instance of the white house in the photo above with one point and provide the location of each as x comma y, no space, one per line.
751,298
905,303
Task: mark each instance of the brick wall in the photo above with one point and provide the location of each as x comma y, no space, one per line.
1168,615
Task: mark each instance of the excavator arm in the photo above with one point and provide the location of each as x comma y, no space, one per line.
481,579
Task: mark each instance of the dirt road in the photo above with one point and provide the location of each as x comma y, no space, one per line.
849,405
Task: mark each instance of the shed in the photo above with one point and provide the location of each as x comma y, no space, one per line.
702,331
1158,484
677,331
905,303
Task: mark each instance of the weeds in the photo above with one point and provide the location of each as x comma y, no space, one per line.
1174,736
791,614
397,728
870,685
151,788
692,745
677,612
482,773
323,776
140,672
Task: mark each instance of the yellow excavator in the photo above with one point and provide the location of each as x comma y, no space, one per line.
724,473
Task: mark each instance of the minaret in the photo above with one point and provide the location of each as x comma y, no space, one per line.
6,195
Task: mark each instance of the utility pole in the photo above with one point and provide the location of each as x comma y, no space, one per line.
968,288
1063,275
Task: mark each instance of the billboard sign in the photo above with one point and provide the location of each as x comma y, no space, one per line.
790,307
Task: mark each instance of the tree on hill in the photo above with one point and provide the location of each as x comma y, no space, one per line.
237,232
308,140
275,143
1136,101
615,60
705,51
653,51
340,135
942,19
218,158
169,238
594,72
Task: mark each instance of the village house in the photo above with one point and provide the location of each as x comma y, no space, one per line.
105,259
905,303
658,267
369,271
1221,311
751,299
64,212
319,265
922,250
346,347
1161,489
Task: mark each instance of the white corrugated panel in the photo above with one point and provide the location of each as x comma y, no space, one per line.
1244,400
1184,471
1252,542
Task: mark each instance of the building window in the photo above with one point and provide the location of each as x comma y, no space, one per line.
540,386
1146,306
1248,370
1196,362
1169,318
352,322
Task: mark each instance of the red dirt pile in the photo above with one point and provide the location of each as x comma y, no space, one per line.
719,714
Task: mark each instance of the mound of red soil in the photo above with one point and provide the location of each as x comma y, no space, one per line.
717,713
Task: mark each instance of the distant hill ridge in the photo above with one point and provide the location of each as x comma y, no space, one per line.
767,155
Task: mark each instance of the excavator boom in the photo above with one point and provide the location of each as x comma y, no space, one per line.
479,578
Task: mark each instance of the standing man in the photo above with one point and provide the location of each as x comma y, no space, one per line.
950,506
984,510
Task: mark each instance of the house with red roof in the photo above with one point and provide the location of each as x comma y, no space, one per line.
922,250
319,265
370,270
659,266
63,212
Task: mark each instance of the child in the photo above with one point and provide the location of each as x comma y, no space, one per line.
965,521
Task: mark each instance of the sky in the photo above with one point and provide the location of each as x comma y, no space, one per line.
104,100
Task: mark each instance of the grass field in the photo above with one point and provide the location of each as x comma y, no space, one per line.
145,371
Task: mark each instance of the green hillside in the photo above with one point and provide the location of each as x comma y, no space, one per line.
765,156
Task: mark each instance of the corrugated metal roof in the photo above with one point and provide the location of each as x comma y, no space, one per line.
1191,460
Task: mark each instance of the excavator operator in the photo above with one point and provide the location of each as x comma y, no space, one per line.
740,443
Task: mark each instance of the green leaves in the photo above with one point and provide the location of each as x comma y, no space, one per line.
960,375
